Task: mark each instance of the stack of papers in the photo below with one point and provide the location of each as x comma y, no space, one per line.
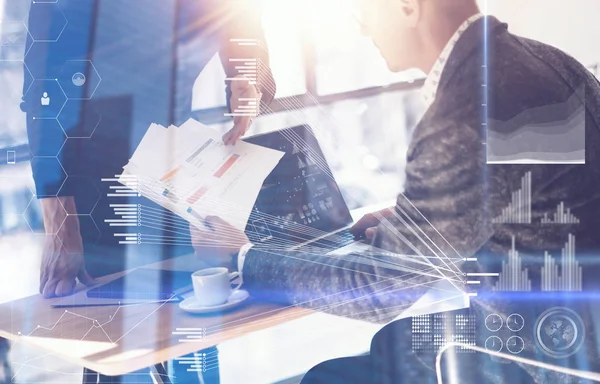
444,296
189,171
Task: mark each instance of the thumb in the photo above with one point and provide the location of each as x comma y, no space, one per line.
370,232
85,278
216,222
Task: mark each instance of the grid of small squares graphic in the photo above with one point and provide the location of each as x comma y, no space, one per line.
432,332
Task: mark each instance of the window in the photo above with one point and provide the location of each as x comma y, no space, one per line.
323,64
316,49
345,60
570,26
13,37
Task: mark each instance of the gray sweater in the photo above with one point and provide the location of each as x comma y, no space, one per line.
452,195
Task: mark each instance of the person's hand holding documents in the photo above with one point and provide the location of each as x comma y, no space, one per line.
191,172
243,92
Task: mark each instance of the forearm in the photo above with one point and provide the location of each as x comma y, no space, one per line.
375,287
60,215
245,23
52,154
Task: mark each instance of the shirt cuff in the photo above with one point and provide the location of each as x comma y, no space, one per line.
242,256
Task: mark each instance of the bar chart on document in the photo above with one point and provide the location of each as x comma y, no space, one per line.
189,171
206,180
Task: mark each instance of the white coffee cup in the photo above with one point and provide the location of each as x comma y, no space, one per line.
212,286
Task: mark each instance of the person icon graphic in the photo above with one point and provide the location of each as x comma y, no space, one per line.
45,99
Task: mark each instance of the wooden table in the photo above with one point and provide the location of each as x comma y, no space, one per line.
115,340
119,340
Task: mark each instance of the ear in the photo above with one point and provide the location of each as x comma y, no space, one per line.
411,11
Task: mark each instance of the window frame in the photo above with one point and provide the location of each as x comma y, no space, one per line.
311,97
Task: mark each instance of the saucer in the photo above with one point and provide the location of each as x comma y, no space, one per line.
191,305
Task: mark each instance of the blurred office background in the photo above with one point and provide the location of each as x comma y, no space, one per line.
332,77
328,76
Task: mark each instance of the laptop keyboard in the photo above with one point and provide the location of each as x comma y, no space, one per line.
336,240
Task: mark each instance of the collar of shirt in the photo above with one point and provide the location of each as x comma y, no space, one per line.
430,86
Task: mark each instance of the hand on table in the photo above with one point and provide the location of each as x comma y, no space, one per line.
367,225
62,255
218,242
241,89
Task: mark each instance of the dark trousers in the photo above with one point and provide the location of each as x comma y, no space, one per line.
172,372
392,361
5,371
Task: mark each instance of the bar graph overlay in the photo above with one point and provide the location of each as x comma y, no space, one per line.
247,106
189,335
513,277
561,216
246,69
199,362
129,188
124,215
519,209
570,277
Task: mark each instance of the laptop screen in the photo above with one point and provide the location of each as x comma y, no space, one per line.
300,199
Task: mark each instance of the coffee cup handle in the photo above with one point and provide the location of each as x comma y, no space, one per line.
233,276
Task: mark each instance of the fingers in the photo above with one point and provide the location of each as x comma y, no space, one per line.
219,229
216,222
357,230
371,232
223,234
367,221
239,129
241,93
202,236
65,287
43,279
227,138
85,277
50,288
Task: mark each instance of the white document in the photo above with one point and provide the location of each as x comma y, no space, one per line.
442,297
189,171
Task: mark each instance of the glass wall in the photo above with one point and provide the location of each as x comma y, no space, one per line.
18,209
320,61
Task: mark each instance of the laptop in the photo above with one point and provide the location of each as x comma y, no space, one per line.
300,203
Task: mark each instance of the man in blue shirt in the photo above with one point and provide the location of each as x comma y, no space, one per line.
103,71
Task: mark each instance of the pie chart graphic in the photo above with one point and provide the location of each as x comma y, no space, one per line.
78,79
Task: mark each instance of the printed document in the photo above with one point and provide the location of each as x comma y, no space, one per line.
189,171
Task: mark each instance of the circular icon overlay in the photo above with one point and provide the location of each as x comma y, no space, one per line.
515,344
559,332
493,344
493,322
515,322
78,79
